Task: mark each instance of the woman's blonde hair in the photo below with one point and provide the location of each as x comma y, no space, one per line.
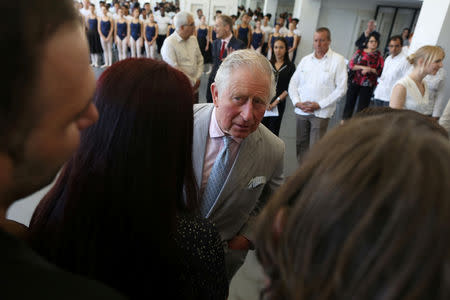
428,53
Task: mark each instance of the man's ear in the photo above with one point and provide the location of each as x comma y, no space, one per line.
279,222
215,94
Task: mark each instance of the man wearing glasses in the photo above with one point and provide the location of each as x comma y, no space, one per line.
181,50
395,67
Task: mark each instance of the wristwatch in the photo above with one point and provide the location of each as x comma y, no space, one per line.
279,99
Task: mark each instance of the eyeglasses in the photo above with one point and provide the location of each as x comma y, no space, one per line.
394,46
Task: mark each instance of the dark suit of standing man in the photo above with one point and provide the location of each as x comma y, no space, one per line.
222,27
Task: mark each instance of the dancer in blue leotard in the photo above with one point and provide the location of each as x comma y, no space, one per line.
292,40
122,34
105,30
257,37
272,38
203,34
243,31
151,33
170,29
136,29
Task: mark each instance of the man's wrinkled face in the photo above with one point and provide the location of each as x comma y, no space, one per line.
240,106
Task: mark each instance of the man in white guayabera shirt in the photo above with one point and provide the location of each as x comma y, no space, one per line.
318,83
395,67
181,50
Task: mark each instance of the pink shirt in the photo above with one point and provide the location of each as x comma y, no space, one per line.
227,40
214,144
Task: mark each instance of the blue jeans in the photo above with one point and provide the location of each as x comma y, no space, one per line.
380,103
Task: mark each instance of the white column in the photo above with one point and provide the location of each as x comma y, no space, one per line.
433,28
307,11
251,4
209,7
270,7
430,24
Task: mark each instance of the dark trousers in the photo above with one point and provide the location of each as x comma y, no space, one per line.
274,123
160,41
380,103
355,90
295,54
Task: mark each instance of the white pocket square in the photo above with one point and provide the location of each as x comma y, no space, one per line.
256,181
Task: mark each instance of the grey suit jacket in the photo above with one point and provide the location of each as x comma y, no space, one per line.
255,174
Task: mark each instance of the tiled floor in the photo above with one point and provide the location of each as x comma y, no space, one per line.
247,282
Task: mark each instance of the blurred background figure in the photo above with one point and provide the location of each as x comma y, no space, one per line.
341,227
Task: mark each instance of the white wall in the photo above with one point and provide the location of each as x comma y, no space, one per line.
343,18
209,7
444,42
308,12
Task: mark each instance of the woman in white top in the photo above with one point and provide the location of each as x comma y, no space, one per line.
411,92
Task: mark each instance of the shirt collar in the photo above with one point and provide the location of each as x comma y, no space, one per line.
328,54
227,40
215,131
178,37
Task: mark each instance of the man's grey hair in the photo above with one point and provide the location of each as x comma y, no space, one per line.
245,58
181,19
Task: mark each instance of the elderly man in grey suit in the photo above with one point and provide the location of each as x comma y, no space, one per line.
238,163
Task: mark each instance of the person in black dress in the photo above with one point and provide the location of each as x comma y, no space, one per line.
124,209
283,69
203,37
95,46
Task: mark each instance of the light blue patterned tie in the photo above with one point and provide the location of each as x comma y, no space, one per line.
217,177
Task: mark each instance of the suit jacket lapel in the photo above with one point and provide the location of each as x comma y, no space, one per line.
242,165
201,131
230,44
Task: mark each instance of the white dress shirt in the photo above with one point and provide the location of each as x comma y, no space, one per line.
297,30
283,30
163,23
184,55
197,21
436,84
395,68
84,12
267,31
319,80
